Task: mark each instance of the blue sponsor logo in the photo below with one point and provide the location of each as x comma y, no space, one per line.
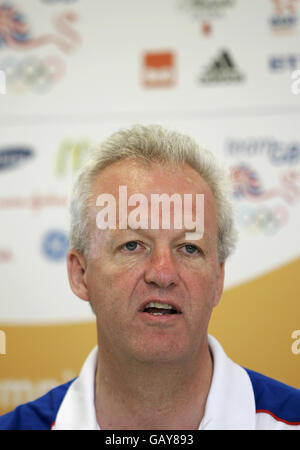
278,152
281,63
55,245
13,157
283,22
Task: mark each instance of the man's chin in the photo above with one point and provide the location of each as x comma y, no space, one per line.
160,352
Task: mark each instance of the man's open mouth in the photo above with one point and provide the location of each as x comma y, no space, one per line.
160,309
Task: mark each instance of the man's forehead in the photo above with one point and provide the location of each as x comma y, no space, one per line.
154,198
153,176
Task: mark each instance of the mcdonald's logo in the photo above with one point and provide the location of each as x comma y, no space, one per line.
70,155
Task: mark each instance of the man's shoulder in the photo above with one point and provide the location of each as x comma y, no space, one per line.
277,399
38,414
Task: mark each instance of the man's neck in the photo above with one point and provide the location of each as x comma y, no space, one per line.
152,396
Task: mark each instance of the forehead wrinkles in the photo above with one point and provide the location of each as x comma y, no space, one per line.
147,179
160,177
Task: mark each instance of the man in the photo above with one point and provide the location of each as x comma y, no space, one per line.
152,279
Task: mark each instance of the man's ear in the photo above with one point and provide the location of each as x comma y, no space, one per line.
76,264
220,282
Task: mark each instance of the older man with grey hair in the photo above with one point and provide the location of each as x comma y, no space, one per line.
151,229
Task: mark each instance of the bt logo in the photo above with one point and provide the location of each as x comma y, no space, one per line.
280,63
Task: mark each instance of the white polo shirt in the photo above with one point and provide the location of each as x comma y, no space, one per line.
231,402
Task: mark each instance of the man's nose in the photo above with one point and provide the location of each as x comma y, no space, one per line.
161,268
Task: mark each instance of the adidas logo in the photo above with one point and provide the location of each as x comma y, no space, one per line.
222,70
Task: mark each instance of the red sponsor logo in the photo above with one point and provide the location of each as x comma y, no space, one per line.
158,69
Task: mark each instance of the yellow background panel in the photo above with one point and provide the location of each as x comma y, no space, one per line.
253,322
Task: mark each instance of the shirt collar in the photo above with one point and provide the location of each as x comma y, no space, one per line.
77,410
230,404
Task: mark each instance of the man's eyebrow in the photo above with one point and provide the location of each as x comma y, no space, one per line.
143,230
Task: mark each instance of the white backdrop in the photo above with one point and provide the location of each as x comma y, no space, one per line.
225,72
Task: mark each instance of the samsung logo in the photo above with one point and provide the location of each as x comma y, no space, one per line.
13,157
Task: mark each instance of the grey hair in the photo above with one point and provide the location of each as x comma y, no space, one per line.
147,145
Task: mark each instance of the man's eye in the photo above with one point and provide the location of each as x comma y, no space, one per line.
191,249
132,245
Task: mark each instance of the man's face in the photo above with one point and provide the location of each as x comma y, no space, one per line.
128,269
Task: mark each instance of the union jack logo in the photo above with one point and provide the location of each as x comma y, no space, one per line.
13,25
246,182
14,31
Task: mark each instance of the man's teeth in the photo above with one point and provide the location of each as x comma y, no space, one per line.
158,305
154,308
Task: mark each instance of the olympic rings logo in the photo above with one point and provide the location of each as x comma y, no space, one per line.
32,74
262,219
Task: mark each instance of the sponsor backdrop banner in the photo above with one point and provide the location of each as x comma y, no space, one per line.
72,72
